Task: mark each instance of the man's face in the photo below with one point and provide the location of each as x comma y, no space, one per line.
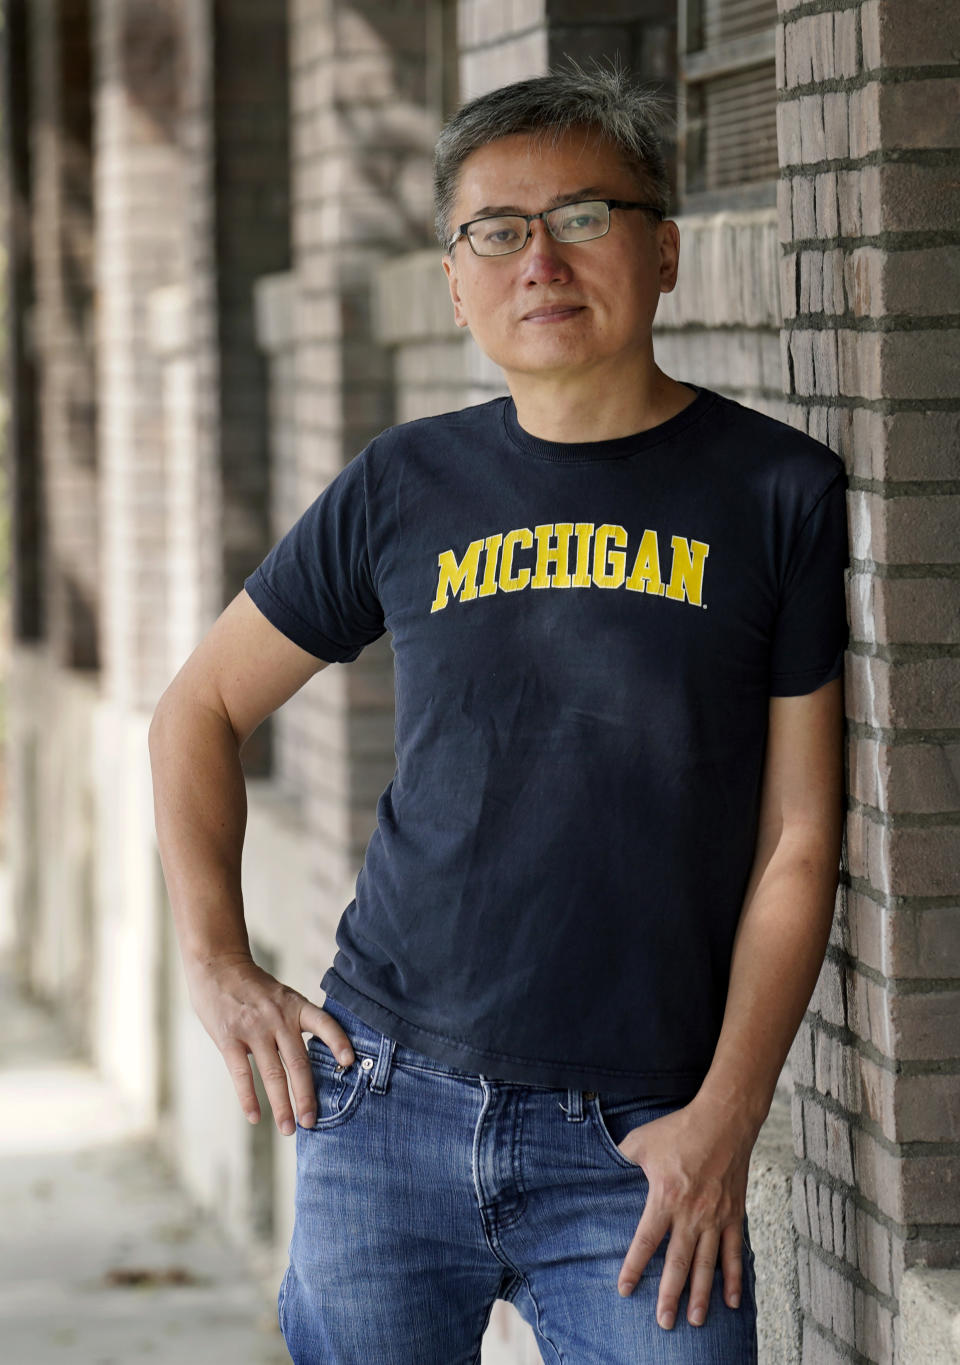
559,309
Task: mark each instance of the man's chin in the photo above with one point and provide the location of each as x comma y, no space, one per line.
544,361
554,370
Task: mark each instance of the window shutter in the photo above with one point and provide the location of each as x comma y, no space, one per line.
728,125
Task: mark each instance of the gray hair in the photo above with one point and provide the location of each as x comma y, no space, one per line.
605,99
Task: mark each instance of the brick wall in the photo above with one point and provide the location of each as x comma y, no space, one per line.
62,223
868,206
199,363
139,62
275,309
24,474
362,133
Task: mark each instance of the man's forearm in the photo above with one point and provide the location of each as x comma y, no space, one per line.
200,804
778,953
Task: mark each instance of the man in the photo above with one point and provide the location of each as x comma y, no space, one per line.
601,885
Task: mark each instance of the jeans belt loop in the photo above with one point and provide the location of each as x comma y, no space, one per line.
379,1081
574,1104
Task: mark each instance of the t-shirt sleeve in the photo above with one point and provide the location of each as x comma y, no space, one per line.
316,584
811,630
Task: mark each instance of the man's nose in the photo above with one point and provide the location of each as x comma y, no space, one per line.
545,262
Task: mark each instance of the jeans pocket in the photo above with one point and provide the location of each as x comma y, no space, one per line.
614,1116
339,1089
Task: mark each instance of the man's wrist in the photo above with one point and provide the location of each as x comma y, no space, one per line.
744,1106
203,958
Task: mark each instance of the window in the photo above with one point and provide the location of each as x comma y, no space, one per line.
728,98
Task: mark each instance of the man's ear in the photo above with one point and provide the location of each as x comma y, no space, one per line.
459,317
669,244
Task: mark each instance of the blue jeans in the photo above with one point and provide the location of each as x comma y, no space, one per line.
424,1193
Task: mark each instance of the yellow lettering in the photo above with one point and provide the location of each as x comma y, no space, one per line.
645,575
581,577
457,578
489,585
557,554
508,581
686,573
609,566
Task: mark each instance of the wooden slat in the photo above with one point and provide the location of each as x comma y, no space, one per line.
733,55
740,142
723,19
731,139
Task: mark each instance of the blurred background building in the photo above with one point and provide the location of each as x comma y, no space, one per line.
222,281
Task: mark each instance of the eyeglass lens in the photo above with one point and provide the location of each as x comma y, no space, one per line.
568,223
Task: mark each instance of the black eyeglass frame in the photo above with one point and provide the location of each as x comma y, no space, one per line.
532,217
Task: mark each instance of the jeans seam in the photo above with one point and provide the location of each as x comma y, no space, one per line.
540,1331
283,1298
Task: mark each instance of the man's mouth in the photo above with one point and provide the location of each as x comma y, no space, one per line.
553,312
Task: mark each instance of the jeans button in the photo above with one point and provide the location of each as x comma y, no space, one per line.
589,1094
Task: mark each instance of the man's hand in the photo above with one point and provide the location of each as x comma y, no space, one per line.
696,1165
246,1010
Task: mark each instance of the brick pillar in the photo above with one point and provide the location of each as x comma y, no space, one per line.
62,222
251,123
23,473
362,140
140,76
195,404
234,126
868,203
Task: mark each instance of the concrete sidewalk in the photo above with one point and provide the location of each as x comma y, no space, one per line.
103,1258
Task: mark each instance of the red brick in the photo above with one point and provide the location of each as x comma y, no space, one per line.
905,942
800,1057
904,610
922,694
804,208
837,1071
921,34
836,124
905,445
910,1108
827,998
812,134
845,35
797,39
914,364
920,1026
814,1132
798,1191
904,860
939,1250
865,133
788,132
899,778
919,113
901,197
831,1298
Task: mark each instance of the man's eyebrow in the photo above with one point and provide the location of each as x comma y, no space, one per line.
494,210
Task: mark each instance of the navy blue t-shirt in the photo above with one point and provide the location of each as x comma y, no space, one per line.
586,638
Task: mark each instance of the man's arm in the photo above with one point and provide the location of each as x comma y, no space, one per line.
784,928
242,670
697,1159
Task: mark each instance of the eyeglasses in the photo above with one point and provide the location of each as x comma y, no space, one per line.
581,222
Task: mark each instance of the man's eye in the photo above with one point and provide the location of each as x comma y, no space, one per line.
576,222
499,236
